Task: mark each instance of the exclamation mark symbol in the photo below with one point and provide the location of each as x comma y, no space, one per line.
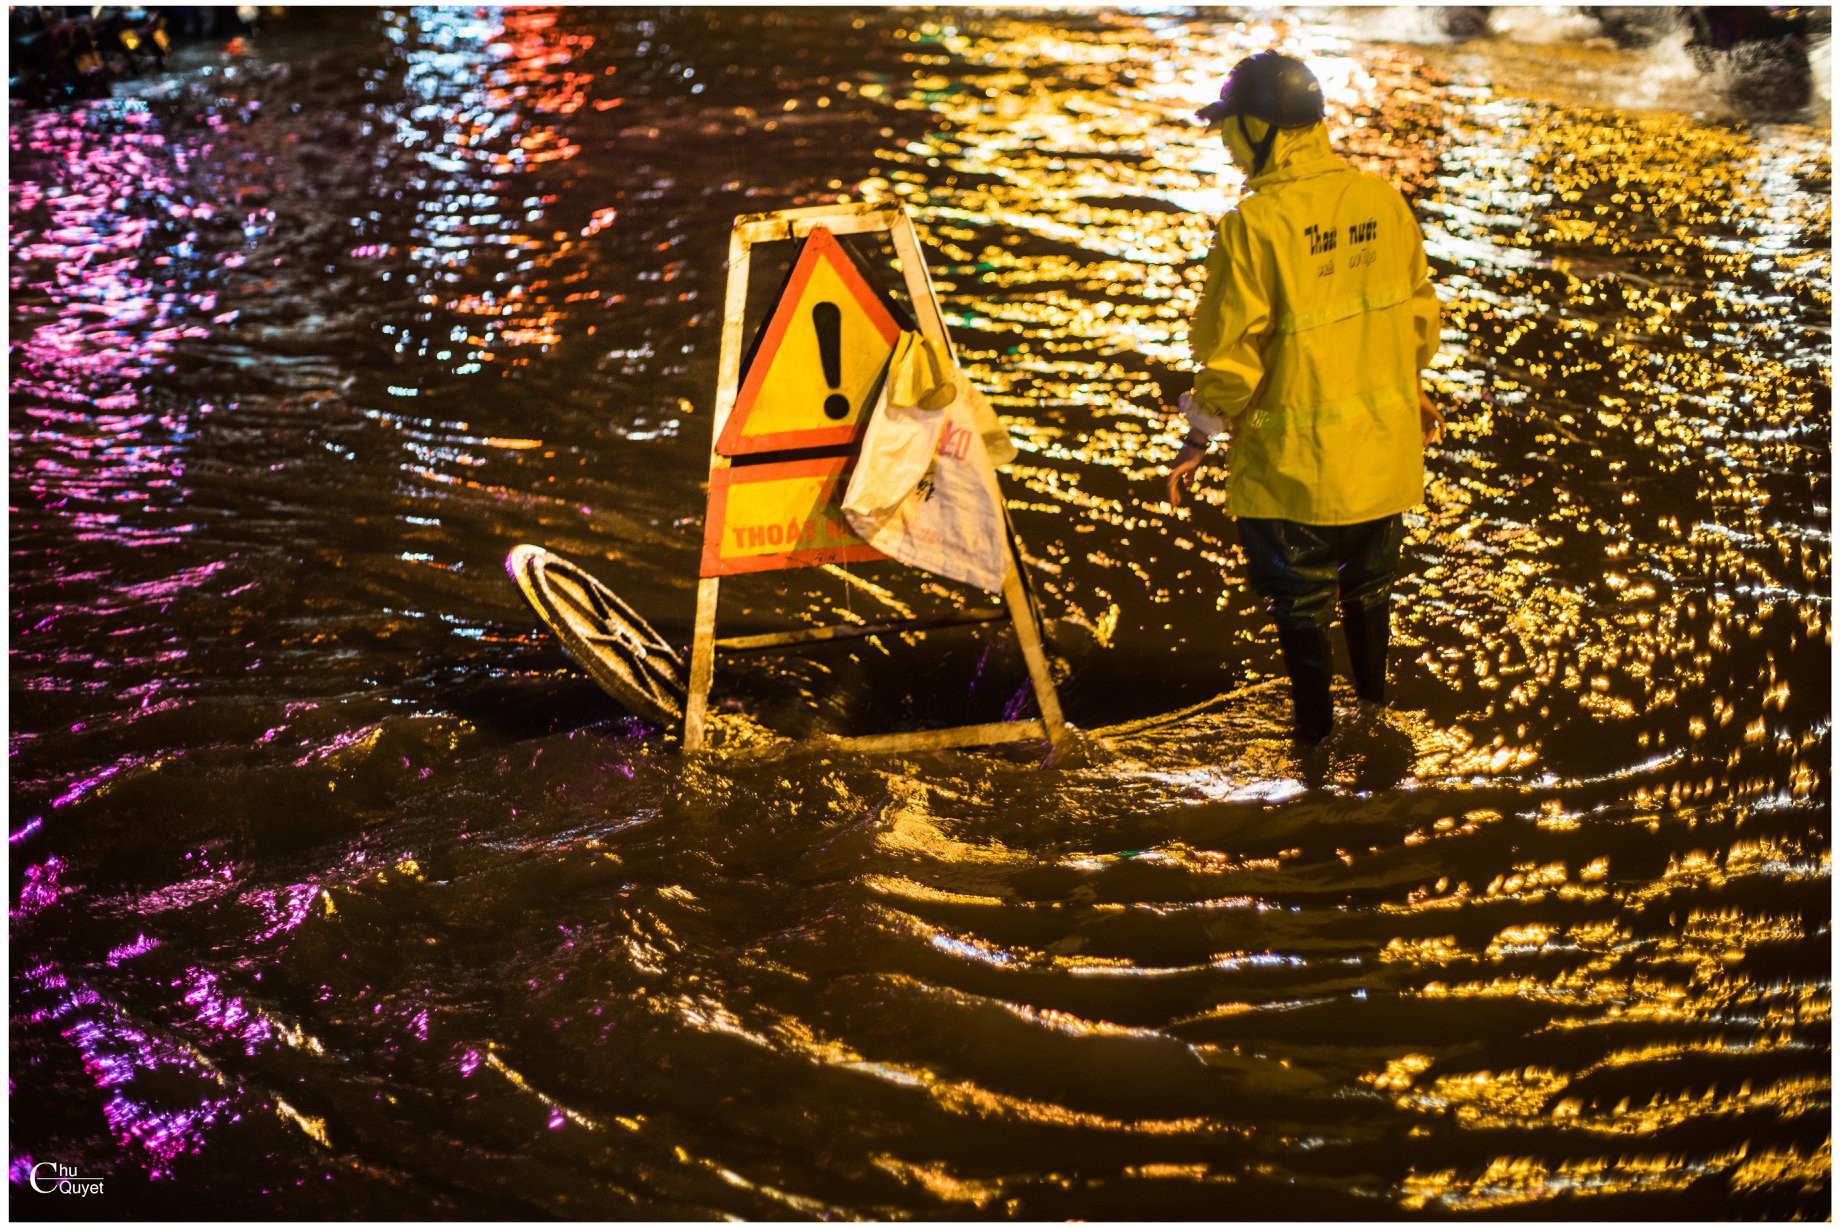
827,318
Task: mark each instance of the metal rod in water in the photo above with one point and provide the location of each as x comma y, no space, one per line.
852,631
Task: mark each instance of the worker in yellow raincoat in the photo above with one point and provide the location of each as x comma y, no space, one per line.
1315,321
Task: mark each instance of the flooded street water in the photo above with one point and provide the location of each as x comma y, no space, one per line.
337,891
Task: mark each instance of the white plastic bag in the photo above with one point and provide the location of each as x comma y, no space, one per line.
924,490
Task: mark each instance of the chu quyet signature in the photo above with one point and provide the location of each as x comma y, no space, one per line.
50,1177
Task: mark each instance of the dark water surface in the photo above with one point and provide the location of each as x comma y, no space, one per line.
336,891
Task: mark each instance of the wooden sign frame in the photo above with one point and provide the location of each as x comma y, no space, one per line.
1019,604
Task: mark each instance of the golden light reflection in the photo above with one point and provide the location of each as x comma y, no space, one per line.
941,1182
1070,219
1518,1181
971,1100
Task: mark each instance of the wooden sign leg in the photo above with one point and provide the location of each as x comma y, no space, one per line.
702,663
1028,636
728,379
1022,611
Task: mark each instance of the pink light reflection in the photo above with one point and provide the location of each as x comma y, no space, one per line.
41,888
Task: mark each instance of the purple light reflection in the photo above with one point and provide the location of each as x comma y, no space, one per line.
227,1013
283,909
140,946
84,785
107,280
163,1136
41,888
116,1053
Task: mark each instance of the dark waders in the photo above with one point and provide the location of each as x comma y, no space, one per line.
1300,569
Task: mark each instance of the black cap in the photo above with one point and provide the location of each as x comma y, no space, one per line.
1271,87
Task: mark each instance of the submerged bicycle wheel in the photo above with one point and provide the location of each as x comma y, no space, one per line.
620,651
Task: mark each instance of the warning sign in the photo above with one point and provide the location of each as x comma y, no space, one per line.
823,350
779,515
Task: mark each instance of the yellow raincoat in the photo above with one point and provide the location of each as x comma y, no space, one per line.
1315,321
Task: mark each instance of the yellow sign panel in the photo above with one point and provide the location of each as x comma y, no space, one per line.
779,515
824,348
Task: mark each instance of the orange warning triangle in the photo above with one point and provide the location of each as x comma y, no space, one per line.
826,344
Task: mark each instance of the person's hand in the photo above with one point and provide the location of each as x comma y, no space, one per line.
1182,471
1430,419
